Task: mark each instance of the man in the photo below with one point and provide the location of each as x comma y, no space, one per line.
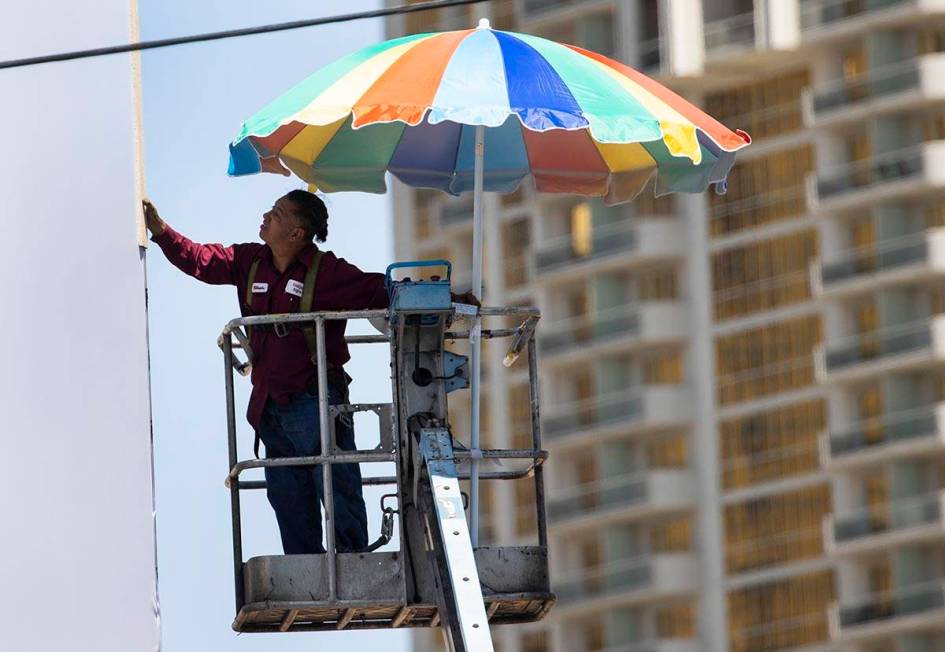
283,406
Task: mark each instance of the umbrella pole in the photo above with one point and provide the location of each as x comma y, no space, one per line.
474,339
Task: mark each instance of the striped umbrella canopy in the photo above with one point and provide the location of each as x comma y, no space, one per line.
575,120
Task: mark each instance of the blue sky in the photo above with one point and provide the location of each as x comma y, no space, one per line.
195,98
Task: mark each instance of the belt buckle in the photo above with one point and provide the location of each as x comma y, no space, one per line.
280,329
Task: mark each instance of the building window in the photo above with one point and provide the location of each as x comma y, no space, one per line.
647,204
933,214
663,369
763,276
515,244
767,361
775,530
933,126
762,191
667,453
436,253
504,18
520,416
536,642
764,109
592,634
779,616
421,22
595,31
657,284
671,536
676,621
424,205
771,445
582,238
931,40
526,519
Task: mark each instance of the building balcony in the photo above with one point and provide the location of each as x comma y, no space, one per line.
911,433
738,219
541,9
881,527
627,582
913,171
898,348
621,328
910,609
660,645
621,498
457,212
896,87
650,56
825,20
900,260
630,241
649,408
729,36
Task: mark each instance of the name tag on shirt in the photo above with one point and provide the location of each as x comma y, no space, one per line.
294,287
260,288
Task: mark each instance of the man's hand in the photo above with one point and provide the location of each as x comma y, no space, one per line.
151,218
467,298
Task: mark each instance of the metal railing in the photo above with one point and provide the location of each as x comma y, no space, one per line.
803,631
650,54
622,490
729,217
233,338
883,256
732,32
888,429
889,517
912,600
617,577
884,168
656,645
818,14
587,329
595,412
605,241
867,347
885,80
532,7
456,211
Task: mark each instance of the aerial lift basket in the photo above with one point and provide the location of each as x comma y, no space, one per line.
436,578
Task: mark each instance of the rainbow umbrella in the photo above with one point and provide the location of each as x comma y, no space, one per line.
575,120
479,110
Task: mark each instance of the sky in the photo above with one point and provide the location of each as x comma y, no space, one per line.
194,99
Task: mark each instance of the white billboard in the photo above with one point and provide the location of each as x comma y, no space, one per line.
77,561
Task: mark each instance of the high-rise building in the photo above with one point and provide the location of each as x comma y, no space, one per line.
743,394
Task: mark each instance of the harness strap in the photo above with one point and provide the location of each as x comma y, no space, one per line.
308,296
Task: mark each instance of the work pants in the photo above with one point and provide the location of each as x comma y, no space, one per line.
295,492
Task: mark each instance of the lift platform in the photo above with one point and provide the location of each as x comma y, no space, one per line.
436,577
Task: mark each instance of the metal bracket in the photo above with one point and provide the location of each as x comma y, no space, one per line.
455,371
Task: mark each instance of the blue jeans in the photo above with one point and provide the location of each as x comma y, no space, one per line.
295,492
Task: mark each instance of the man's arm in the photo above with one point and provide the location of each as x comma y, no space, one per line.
352,289
210,263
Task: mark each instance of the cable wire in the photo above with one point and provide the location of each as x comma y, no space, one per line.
246,31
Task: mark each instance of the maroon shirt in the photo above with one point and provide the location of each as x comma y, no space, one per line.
282,366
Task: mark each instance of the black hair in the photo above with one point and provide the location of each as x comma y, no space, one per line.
311,211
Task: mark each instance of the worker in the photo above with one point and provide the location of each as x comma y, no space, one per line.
283,406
